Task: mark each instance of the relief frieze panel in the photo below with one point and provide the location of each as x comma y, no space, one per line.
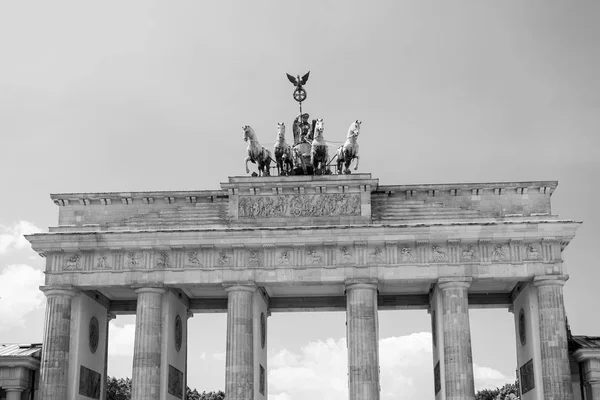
300,205
327,255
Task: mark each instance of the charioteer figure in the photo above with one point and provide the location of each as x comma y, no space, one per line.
303,129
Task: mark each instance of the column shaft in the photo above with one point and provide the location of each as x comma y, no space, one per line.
556,374
54,368
13,394
595,388
363,341
458,360
145,380
239,369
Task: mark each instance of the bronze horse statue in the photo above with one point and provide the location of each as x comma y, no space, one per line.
349,150
256,153
283,152
319,154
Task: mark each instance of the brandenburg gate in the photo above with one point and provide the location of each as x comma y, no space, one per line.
259,245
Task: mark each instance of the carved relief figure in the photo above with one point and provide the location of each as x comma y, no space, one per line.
468,254
162,261
102,262
406,255
533,252
253,259
133,260
283,152
315,258
346,255
319,154
224,259
193,258
500,252
297,206
72,262
375,256
437,254
284,258
256,153
349,150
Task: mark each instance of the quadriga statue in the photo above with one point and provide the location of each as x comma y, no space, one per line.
349,150
283,152
256,153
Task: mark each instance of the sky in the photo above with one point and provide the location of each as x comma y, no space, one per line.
147,95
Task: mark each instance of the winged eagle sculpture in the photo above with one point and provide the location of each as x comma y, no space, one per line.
298,82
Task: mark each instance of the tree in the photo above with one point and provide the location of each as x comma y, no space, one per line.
120,389
510,391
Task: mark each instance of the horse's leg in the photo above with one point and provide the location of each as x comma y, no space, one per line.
247,169
357,159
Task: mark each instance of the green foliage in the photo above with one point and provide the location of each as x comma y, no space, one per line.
510,391
194,395
120,389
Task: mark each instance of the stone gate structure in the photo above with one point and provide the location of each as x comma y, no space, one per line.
303,243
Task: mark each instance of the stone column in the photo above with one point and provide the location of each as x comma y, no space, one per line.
145,380
363,340
13,393
54,368
239,369
109,317
556,374
458,360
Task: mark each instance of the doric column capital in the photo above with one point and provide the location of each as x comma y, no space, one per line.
49,291
359,283
452,283
13,388
190,314
236,287
110,316
550,280
149,289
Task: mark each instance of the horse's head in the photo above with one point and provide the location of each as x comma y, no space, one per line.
319,128
280,130
248,133
354,129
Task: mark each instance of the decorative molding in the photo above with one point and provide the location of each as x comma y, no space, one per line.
299,205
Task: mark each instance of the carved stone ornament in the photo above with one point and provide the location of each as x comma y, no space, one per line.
468,254
522,331
178,332
162,261
72,263
437,254
94,334
314,257
284,258
375,256
263,330
192,259
533,252
253,258
102,262
346,255
406,255
295,206
500,253
133,260
224,259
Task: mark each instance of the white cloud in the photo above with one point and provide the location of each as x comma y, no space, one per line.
11,237
120,339
319,370
489,378
19,294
